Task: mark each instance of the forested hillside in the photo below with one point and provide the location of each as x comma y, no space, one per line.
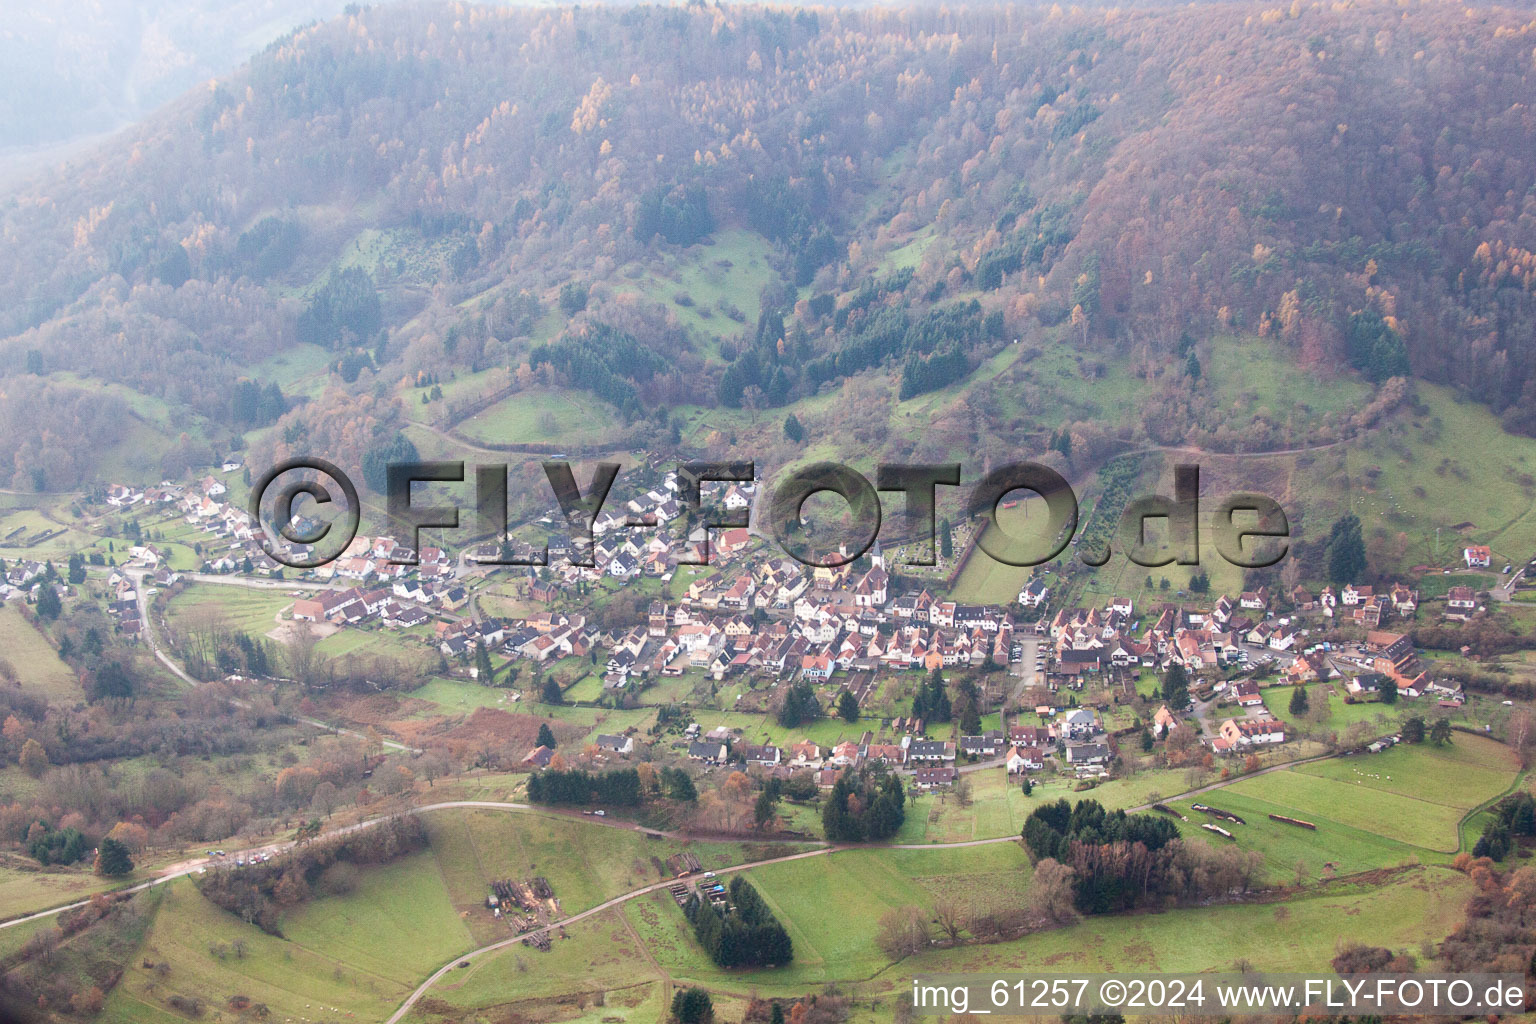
427,189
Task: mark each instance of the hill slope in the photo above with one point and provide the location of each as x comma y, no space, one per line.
422,192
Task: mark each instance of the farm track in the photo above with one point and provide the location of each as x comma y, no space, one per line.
191,867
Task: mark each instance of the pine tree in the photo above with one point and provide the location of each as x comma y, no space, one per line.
847,707
1176,688
112,858
546,736
946,540
1346,551
692,1006
1299,702
48,604
793,430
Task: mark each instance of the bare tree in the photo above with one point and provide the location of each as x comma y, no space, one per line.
1051,892
752,400
325,799
44,943
433,766
903,932
951,921
305,661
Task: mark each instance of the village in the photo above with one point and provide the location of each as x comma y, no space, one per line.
724,608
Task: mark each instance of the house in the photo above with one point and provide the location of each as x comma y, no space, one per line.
1246,692
1460,602
985,745
1365,684
930,750
805,753
1034,593
766,755
707,751
1088,754
1254,600
885,753
539,757
1243,732
929,778
816,667
1164,721
845,753
1028,735
615,744
1478,556
1080,723
1353,595
1024,759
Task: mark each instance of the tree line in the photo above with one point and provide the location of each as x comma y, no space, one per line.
619,787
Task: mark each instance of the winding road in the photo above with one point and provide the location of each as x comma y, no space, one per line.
198,865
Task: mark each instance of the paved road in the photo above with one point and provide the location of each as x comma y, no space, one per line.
200,864
190,867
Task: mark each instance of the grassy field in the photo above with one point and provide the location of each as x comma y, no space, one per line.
1418,906
543,415
196,940
998,804
37,664
1252,380
703,285
585,863
1338,715
246,609
832,907
1411,477
597,970
25,887
1411,795
375,641
834,938
764,728
398,922
357,954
